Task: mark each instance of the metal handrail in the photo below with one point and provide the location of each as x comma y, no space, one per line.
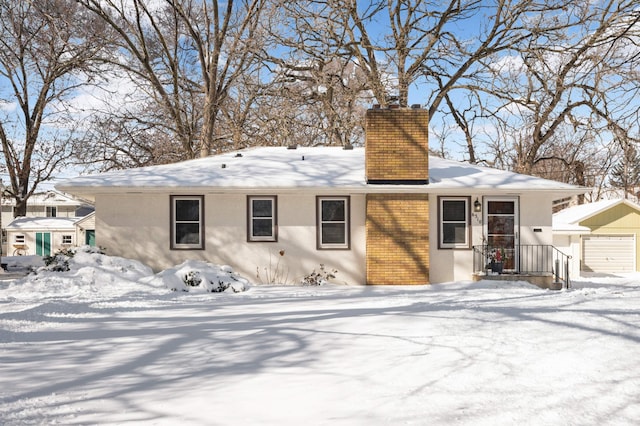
530,259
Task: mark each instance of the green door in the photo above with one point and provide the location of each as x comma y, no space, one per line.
90,237
43,243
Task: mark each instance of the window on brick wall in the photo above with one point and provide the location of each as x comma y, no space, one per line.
454,222
333,222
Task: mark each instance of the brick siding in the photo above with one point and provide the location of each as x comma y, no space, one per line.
397,226
397,229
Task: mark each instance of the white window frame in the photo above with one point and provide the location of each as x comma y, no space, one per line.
467,223
67,240
51,211
19,239
273,218
321,245
175,245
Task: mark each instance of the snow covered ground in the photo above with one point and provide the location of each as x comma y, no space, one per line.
110,343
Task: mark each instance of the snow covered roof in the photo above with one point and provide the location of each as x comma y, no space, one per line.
36,223
81,220
569,228
567,220
309,167
49,198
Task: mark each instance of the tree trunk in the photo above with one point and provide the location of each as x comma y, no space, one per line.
207,130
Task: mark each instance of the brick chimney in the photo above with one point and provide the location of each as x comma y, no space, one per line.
397,224
397,146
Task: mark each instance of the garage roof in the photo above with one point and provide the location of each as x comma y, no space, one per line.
568,220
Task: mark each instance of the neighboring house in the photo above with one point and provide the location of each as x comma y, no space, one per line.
86,230
43,236
45,204
390,214
603,236
40,236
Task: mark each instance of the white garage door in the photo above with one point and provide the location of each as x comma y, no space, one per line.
608,253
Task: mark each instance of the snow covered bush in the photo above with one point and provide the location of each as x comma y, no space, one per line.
321,277
192,279
59,261
195,275
83,265
83,272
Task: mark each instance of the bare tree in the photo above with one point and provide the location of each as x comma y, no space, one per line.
545,73
325,90
562,84
324,103
186,55
444,50
117,141
44,55
440,45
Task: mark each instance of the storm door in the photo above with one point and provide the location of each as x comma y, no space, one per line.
502,230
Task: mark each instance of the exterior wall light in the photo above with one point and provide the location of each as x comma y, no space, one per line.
477,206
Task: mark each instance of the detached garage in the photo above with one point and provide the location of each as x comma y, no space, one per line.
601,237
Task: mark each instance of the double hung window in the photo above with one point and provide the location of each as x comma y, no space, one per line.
333,222
262,218
454,222
187,222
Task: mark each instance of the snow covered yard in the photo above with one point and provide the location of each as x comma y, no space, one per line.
107,345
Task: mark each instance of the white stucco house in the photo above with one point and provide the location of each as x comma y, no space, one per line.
387,214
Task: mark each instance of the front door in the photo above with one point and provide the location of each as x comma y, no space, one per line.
43,243
502,230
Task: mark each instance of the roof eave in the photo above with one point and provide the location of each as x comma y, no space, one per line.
89,193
